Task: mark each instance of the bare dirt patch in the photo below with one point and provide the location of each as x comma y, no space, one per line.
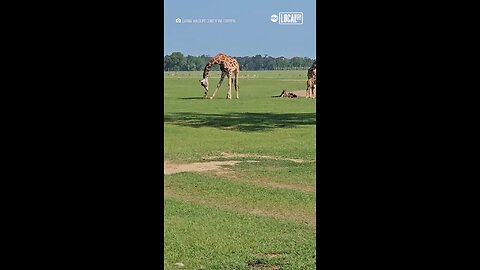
259,264
300,93
220,168
170,167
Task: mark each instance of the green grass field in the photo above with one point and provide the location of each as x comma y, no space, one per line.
260,212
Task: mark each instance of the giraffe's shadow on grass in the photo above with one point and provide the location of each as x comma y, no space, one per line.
246,122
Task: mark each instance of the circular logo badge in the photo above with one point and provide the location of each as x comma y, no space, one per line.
274,18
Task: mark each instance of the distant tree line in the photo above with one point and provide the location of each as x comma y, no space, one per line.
178,62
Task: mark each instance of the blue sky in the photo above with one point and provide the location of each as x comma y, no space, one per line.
252,33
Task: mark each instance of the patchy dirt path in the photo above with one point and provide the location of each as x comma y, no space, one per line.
233,155
302,216
223,169
170,167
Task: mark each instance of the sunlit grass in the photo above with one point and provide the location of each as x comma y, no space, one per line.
225,220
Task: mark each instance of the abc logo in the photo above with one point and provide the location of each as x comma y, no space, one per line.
274,18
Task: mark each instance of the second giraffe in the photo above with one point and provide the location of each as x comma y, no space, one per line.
312,82
228,66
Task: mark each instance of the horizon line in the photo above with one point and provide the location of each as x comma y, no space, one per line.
242,56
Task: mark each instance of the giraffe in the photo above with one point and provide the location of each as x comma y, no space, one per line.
228,66
312,82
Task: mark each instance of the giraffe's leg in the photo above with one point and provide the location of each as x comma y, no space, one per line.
236,85
307,92
219,84
229,94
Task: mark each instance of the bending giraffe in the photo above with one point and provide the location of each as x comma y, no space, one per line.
312,82
228,66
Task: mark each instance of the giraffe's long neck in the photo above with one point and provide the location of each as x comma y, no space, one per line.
208,67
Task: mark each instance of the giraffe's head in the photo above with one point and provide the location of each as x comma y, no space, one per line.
204,83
